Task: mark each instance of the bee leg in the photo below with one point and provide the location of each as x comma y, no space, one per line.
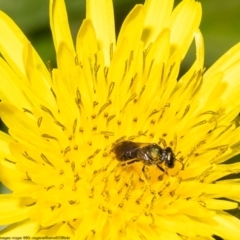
181,164
129,162
161,169
160,177
123,164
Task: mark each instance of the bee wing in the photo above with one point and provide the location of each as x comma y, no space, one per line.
127,148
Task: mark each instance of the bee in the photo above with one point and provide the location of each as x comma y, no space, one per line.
148,153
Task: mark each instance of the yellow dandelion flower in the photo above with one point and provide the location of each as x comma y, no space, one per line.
112,144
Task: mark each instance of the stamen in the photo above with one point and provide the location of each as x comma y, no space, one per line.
26,110
153,112
10,161
132,81
196,147
74,126
66,150
46,160
45,109
25,154
145,53
125,69
78,99
170,72
60,125
130,59
106,73
39,121
134,95
186,111
28,177
110,89
73,166
96,67
150,68
53,93
31,204
110,118
111,51
163,73
104,107
199,123
49,136
143,89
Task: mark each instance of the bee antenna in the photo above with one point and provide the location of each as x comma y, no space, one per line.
181,163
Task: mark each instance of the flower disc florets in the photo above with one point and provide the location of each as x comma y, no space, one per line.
113,143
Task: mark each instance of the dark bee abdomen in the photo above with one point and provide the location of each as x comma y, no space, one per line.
126,150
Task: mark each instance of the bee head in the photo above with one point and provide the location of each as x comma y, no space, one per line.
168,157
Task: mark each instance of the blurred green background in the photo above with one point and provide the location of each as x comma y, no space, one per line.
220,24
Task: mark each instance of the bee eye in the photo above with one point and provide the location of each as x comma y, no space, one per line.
170,164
